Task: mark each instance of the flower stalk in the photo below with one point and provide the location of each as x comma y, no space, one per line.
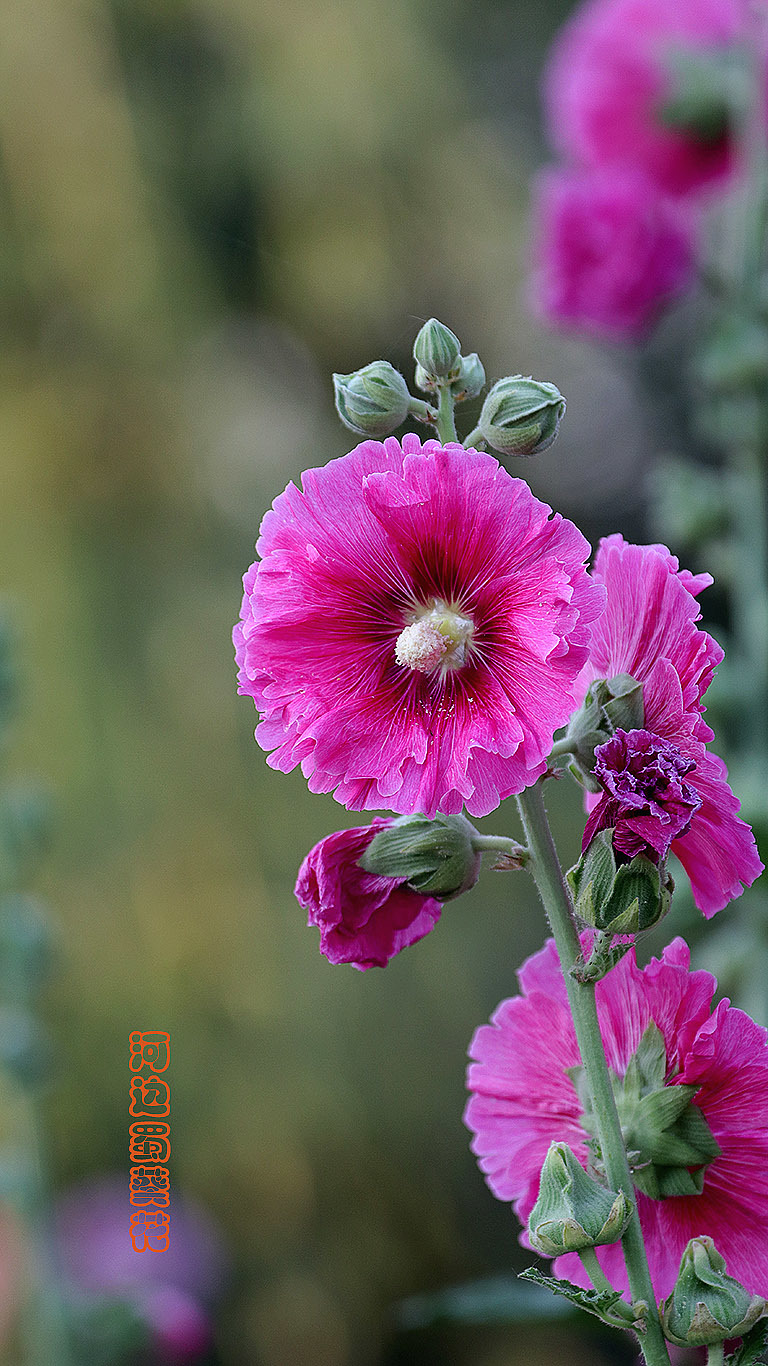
548,876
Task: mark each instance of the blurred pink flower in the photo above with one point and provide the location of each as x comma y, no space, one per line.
610,251
649,630
414,629
524,1098
610,74
363,919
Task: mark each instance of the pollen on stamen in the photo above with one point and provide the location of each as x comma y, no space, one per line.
421,646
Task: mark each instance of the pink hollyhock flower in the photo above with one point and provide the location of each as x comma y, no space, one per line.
645,801
610,251
363,919
610,74
414,629
649,630
525,1097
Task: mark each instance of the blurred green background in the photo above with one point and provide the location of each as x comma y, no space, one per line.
207,206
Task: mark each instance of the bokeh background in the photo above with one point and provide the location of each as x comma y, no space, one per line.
206,207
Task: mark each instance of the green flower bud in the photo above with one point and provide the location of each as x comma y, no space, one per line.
471,378
437,857
573,1211
372,401
521,416
437,350
621,898
706,1305
610,704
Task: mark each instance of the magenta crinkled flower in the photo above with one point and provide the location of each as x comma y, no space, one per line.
414,629
649,630
646,801
526,1096
612,71
363,919
610,251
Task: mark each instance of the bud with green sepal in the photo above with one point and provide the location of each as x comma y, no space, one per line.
618,897
573,1211
437,350
372,401
668,1141
470,379
437,857
521,415
707,1305
610,704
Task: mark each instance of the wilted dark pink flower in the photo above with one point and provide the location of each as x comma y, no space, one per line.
363,919
649,630
414,629
611,73
525,1096
646,800
610,251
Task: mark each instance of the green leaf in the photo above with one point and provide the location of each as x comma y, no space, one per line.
752,1348
601,1303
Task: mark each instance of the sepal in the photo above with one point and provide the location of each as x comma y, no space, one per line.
470,379
618,898
610,704
436,857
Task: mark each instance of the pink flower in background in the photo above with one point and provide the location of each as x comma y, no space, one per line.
414,629
363,919
524,1099
610,251
646,800
649,630
610,74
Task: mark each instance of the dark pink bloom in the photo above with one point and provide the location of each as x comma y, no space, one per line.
363,919
649,630
646,800
610,74
414,629
610,251
524,1099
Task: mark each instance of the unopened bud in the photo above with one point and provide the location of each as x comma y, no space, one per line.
621,898
706,1305
436,857
573,1210
470,380
438,351
521,416
611,704
372,401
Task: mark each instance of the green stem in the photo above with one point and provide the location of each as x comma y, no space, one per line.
501,842
422,411
749,592
474,437
715,1354
594,1270
446,427
553,890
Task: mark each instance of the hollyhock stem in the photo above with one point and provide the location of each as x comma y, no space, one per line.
500,842
446,426
715,1354
474,437
588,1258
548,875
421,410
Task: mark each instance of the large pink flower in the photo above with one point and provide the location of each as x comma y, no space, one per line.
649,630
610,251
525,1097
414,629
363,919
610,74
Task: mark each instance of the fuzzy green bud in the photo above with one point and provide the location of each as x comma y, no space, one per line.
437,857
438,351
611,704
573,1211
706,1305
521,415
470,380
372,401
621,898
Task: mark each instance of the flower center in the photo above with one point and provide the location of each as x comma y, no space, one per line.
669,1143
437,636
